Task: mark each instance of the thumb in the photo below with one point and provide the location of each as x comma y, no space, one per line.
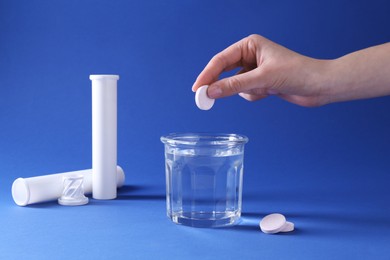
236,84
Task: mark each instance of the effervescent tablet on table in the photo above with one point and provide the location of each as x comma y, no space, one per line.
288,227
202,100
275,223
272,223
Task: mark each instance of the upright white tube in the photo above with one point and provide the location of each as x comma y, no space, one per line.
104,136
31,190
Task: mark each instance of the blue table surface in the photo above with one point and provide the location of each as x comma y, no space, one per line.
336,217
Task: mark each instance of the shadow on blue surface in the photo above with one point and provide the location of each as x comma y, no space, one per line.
255,227
48,204
127,193
131,188
141,197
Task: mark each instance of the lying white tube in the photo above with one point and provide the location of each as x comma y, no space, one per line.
49,187
104,135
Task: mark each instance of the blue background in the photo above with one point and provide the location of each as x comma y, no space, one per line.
327,169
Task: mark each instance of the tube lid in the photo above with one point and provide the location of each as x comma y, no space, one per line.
73,194
105,76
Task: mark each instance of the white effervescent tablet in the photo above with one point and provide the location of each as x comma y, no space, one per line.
272,223
288,227
275,223
202,100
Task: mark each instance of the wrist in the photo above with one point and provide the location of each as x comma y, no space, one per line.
321,80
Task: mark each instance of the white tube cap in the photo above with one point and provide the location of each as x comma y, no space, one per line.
73,193
99,77
202,100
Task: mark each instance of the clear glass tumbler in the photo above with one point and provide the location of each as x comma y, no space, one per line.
204,174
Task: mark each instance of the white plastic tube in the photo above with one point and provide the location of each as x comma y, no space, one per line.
104,136
27,191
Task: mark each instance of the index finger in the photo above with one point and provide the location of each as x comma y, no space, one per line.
226,60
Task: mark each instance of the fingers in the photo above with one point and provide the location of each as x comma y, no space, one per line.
228,59
251,97
239,83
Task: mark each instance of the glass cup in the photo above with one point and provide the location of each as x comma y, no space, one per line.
204,174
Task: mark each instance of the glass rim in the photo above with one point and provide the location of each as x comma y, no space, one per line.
202,139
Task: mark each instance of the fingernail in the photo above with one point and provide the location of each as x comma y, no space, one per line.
214,92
